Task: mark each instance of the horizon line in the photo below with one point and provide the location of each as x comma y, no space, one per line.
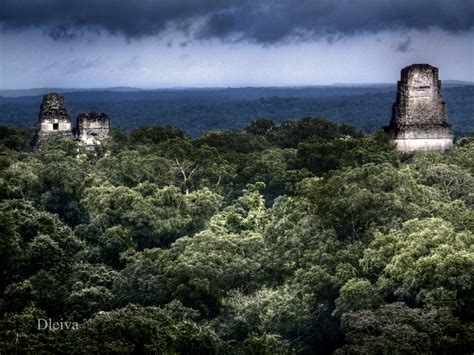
302,86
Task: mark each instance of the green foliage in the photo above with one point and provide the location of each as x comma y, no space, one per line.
265,344
276,310
292,133
305,237
357,294
260,126
91,286
203,268
154,135
425,262
373,195
272,167
232,142
397,328
137,329
131,167
147,215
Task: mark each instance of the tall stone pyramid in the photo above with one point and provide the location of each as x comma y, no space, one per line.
419,120
53,118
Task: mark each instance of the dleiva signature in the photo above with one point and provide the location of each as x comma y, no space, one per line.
49,324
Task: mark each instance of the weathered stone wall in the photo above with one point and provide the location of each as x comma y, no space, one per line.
419,120
411,146
53,118
92,127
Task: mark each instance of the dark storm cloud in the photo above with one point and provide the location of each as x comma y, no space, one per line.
267,21
403,46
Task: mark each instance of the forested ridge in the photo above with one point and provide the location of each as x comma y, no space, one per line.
301,237
196,111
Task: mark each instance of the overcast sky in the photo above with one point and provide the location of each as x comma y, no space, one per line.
199,43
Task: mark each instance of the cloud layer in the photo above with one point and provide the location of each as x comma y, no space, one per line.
266,22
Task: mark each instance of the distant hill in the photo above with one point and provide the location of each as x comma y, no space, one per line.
42,91
457,83
197,110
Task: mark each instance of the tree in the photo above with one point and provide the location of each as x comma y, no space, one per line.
370,148
147,215
195,166
202,269
397,328
90,286
280,311
269,167
148,135
453,181
357,294
371,196
131,167
261,126
291,133
320,156
137,329
426,262
40,256
62,177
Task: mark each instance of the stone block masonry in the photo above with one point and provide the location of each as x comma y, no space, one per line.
53,118
419,121
91,128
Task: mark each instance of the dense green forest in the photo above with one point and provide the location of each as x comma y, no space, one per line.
306,237
196,111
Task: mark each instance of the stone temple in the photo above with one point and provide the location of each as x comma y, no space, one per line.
419,120
53,118
91,128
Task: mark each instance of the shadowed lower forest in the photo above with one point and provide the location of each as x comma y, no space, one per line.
304,237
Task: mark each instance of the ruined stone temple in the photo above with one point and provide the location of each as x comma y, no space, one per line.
53,118
419,120
91,128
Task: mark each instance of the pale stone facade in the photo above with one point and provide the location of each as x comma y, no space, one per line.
53,118
91,128
419,120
